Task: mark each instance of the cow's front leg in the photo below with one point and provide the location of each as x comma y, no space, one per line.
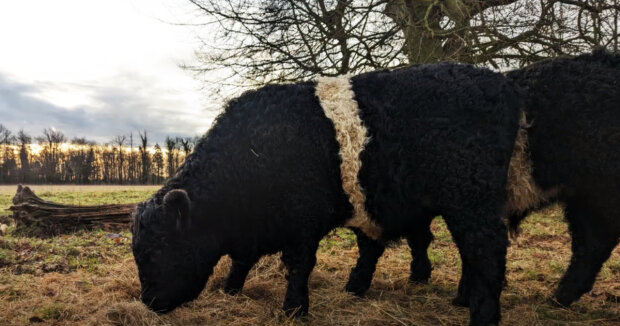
299,261
237,275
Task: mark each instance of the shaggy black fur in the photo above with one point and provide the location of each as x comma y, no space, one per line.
574,142
574,107
266,178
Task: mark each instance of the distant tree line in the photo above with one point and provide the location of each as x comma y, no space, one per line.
53,159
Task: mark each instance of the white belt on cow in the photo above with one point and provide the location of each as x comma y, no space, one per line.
338,102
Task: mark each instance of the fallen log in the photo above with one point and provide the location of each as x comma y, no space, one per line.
37,216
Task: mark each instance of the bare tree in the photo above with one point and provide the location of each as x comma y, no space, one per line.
6,136
131,170
51,139
80,160
259,42
120,141
8,166
144,157
108,163
24,140
82,141
177,157
171,155
158,160
292,40
187,144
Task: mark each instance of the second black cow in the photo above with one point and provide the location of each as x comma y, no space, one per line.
571,141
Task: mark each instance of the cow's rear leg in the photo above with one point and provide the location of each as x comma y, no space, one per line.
299,260
482,239
419,241
592,243
237,275
369,253
463,292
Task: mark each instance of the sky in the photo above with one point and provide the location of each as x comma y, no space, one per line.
98,69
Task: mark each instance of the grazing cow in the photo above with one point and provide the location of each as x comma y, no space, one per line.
572,105
285,164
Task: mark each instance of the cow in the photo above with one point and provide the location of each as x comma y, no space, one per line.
285,164
570,134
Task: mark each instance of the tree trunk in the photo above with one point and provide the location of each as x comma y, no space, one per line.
426,40
418,19
34,215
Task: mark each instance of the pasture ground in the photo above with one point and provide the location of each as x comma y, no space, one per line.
89,278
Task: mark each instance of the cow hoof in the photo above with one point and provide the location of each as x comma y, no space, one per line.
356,289
559,302
460,302
418,280
295,311
231,290
420,273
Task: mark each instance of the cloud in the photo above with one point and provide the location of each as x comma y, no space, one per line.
133,104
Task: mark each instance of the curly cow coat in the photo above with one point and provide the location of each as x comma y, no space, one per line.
568,152
268,177
574,142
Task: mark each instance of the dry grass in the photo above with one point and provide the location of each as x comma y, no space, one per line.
99,285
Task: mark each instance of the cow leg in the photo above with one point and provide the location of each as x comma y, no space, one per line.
482,239
361,275
592,243
299,261
237,275
420,264
463,292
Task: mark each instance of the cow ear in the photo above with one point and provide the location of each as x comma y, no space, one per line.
178,203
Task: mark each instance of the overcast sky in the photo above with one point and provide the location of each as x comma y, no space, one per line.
97,69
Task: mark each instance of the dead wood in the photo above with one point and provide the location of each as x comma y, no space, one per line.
42,217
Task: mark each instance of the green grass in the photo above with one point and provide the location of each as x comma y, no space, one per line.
53,311
86,250
5,203
80,195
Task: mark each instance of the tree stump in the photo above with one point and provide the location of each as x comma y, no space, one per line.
34,215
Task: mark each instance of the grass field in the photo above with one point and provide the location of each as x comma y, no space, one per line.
89,278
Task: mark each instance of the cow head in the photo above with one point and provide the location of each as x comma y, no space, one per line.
171,261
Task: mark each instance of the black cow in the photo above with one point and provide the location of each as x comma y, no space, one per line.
573,110
268,177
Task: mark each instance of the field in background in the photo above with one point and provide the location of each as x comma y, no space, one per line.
90,278
78,188
81,194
